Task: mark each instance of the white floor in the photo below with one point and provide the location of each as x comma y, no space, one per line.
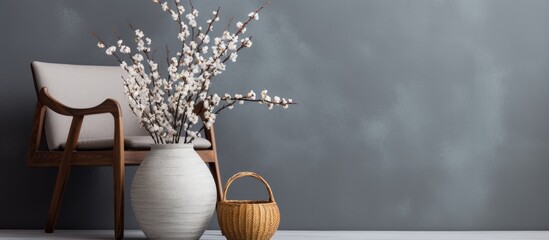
295,235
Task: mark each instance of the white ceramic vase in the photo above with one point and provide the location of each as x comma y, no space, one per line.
173,193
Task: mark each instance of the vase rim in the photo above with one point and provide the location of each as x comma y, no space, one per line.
172,145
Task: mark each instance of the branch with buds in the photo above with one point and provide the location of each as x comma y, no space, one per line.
166,102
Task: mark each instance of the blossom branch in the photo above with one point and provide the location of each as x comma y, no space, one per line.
167,107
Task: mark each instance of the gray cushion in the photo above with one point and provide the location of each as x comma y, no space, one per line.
130,142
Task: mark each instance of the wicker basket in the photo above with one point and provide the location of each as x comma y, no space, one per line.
246,219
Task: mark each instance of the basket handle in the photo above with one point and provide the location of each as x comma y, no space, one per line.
248,174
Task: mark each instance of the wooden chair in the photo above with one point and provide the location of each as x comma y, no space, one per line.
100,141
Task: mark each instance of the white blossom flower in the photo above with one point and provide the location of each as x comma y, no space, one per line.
119,42
226,35
175,16
181,9
172,68
193,44
131,71
139,33
247,42
251,94
110,50
192,23
217,41
181,36
254,15
156,75
149,41
165,6
137,57
276,99
153,65
239,24
191,19
216,99
232,46
125,49
193,118
100,45
233,56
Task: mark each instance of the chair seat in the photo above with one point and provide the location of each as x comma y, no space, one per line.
130,142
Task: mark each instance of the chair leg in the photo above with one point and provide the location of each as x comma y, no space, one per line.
118,174
214,169
59,189
118,201
63,173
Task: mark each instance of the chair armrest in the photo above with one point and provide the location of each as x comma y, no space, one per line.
107,106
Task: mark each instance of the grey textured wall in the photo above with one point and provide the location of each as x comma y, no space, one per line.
413,115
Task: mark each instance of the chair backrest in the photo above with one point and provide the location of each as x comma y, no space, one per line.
83,86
